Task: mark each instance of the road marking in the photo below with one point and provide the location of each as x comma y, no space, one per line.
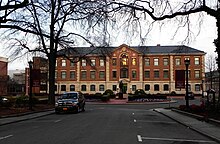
135,120
1,138
57,121
139,138
178,140
155,121
132,113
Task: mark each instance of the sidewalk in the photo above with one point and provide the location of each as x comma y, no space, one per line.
210,130
14,119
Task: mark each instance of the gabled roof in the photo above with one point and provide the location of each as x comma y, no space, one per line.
179,49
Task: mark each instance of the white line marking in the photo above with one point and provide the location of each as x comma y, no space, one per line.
155,121
57,121
179,140
135,120
139,138
132,113
1,138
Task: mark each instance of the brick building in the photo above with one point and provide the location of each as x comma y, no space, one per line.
3,75
151,68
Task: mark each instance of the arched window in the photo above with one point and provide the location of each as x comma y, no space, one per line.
147,87
101,87
92,87
124,60
83,87
166,87
124,73
72,87
156,87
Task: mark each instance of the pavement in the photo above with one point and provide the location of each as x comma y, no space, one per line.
210,129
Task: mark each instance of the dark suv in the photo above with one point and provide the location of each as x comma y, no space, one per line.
70,102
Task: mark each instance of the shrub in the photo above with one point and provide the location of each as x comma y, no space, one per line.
173,93
139,92
110,93
105,98
21,101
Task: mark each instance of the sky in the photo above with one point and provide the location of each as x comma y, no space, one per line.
164,36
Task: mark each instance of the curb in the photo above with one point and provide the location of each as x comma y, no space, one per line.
189,126
28,118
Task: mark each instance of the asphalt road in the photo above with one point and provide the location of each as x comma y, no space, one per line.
102,124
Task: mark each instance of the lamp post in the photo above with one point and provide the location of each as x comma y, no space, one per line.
202,89
187,62
30,84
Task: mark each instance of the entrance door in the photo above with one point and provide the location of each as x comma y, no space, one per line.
125,88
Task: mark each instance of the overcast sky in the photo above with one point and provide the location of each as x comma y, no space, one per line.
164,36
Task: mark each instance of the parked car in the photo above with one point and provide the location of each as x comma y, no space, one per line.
3,100
191,95
70,102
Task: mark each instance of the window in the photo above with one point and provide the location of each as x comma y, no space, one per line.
92,87
165,62
114,87
133,61
146,74
197,87
101,74
156,61
114,74
147,87
124,60
166,87
189,87
63,75
63,63
101,62
72,63
92,74
124,73
134,74
197,73
83,74
63,87
72,74
83,62
147,61
55,74
72,87
83,87
156,87
188,73
196,61
114,62
101,88
92,62
133,87
178,61
165,74
156,74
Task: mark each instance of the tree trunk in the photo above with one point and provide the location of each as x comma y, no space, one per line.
52,61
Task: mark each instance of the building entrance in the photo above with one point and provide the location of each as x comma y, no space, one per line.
125,88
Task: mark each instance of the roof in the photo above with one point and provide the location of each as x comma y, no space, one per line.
178,49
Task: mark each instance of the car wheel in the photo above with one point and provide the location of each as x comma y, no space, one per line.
57,112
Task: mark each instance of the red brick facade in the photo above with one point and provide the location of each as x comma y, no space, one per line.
3,76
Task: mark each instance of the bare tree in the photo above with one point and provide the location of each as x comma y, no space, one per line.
48,26
211,67
182,11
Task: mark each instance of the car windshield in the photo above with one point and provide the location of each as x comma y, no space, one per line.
69,96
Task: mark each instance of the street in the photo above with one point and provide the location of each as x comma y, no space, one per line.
102,124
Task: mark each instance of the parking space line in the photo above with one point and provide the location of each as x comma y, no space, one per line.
145,121
177,140
5,137
139,138
57,121
135,120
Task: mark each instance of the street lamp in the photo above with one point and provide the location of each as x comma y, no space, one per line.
30,84
187,62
